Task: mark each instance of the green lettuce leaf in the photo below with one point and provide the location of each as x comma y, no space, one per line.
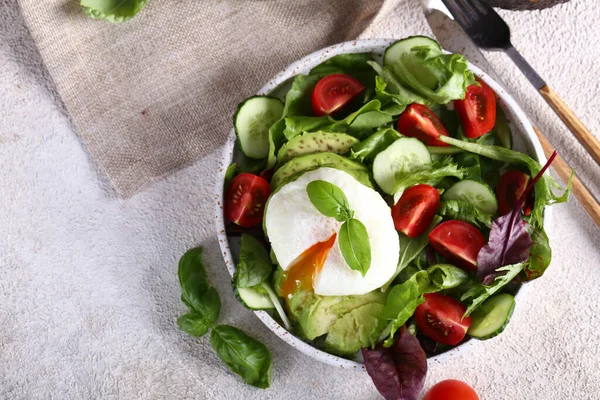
464,211
112,10
430,174
366,150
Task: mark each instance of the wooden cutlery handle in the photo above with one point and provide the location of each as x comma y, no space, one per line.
585,137
585,198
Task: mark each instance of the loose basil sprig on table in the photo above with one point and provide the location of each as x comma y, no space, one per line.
353,238
244,355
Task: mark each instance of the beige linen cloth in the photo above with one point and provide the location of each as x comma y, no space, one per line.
154,94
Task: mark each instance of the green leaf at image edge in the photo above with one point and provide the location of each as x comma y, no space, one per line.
355,246
244,355
115,11
254,265
329,199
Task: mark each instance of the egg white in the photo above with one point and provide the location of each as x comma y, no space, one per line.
293,225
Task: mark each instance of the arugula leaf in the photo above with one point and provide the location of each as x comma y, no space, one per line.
399,371
254,265
430,174
464,211
444,276
202,300
244,355
543,187
540,255
366,150
329,200
112,10
354,244
480,293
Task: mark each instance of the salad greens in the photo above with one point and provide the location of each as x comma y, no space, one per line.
244,355
494,252
112,10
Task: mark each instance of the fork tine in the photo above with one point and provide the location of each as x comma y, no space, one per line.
458,12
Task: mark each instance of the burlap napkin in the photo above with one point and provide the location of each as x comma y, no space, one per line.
152,95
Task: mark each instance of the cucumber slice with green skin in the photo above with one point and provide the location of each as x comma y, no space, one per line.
476,193
492,316
502,129
252,120
397,50
254,299
400,157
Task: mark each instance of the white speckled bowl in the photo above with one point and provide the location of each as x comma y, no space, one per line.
524,139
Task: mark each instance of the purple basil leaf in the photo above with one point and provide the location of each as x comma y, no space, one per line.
508,244
398,372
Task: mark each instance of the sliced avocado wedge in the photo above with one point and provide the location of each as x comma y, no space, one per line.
315,142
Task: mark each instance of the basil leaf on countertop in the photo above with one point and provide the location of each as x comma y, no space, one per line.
244,355
355,246
112,10
192,276
329,200
254,265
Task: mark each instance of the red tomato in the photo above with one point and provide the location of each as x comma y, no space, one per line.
245,200
420,122
415,210
451,389
440,318
511,187
477,111
459,242
333,92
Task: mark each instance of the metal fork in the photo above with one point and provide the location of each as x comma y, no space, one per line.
489,31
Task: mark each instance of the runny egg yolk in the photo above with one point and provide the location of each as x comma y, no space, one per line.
306,266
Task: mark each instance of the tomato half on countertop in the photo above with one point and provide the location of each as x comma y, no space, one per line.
415,210
451,389
245,200
333,92
420,122
459,242
477,111
440,317
511,187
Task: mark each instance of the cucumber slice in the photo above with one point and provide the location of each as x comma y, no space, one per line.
501,129
476,193
254,299
400,157
492,316
252,120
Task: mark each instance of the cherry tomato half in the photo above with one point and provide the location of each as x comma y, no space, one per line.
441,319
477,111
451,389
415,210
420,122
245,200
459,242
333,92
511,187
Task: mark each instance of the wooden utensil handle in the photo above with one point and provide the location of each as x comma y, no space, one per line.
585,137
585,198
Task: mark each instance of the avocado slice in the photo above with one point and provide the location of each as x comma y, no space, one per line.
317,314
360,327
298,165
315,142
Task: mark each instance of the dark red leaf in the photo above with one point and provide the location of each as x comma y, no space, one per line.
399,371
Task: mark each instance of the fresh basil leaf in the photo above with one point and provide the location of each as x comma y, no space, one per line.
254,265
430,174
355,246
544,194
399,371
112,10
244,355
464,211
192,276
193,324
479,293
401,303
207,306
540,255
329,199
366,150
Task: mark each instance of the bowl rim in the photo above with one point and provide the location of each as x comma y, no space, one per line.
303,65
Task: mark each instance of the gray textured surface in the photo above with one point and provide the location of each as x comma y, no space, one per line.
88,287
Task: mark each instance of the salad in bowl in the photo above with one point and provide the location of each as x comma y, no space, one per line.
376,208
